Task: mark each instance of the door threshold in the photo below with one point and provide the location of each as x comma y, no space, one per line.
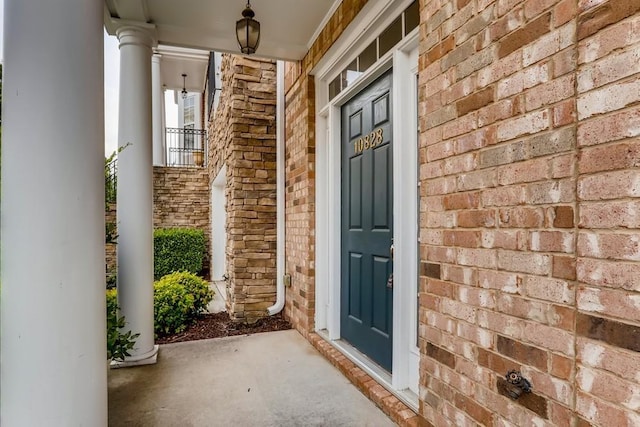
374,370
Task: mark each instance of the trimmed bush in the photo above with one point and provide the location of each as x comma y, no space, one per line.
177,249
112,302
118,344
172,307
194,285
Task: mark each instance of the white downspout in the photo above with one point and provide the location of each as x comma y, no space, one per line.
280,167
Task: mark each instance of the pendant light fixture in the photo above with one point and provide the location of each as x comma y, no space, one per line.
248,31
184,88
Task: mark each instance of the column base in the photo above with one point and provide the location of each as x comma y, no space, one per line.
149,358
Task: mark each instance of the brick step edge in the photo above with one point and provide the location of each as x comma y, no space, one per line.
400,413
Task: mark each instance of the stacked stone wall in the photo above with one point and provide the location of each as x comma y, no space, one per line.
242,137
181,200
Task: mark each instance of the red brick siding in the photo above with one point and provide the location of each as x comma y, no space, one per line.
529,150
608,320
528,161
300,170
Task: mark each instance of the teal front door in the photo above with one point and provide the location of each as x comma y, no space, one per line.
367,222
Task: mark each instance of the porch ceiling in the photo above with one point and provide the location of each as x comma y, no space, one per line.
176,61
288,27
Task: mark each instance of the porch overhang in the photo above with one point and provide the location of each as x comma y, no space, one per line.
288,27
177,61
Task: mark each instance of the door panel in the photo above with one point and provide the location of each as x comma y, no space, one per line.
381,272
367,221
355,198
381,190
355,275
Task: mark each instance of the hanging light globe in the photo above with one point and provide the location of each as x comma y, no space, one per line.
248,31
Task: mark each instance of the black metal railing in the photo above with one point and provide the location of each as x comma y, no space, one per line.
186,147
110,181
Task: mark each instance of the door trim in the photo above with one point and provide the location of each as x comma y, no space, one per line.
404,381
405,201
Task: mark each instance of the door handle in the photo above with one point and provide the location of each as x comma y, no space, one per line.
390,279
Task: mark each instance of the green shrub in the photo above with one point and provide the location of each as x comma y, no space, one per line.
177,249
112,302
118,344
194,285
172,307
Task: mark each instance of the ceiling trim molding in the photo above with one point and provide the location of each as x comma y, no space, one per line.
323,23
183,53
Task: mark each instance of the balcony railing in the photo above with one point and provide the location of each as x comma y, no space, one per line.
186,147
110,181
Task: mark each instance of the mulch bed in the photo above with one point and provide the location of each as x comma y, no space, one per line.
220,325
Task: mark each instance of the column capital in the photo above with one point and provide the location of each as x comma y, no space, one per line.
136,33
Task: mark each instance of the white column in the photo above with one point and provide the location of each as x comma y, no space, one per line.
157,95
135,190
53,337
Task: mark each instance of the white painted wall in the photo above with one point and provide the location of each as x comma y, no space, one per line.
218,225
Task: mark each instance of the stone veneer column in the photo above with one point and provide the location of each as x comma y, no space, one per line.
135,190
54,369
243,139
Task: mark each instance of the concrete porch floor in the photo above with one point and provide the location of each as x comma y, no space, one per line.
268,379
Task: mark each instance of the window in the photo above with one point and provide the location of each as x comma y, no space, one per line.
189,116
189,136
390,36
189,110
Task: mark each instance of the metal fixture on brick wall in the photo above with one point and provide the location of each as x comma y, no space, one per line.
184,86
248,31
516,384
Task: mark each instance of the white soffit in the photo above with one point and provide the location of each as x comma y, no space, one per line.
176,61
288,27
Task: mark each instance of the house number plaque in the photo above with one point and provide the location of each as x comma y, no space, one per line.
372,140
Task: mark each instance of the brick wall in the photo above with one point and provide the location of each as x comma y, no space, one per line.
300,170
529,155
181,199
242,136
608,272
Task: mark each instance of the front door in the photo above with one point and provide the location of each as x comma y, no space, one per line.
367,222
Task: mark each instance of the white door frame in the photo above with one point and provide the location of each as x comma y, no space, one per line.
404,61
